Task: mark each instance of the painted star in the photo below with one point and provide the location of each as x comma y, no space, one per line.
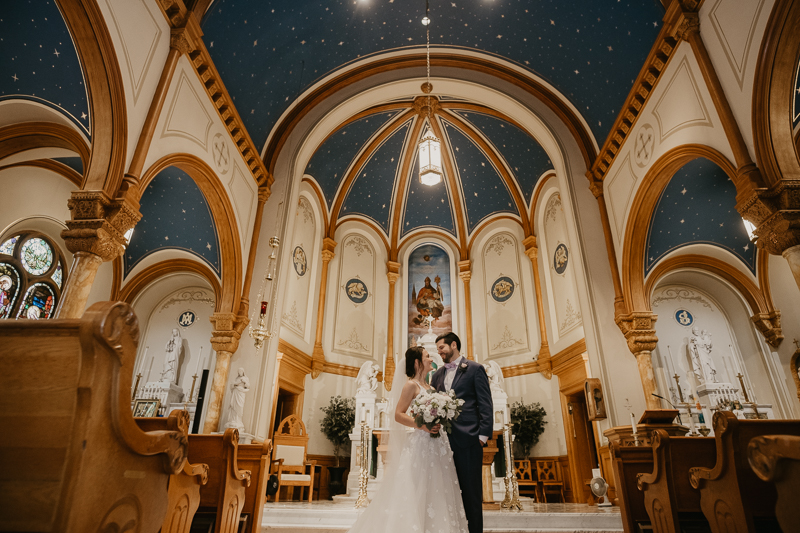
57,53
746,247
721,224
15,77
255,42
610,49
552,22
208,245
166,238
684,191
682,221
83,116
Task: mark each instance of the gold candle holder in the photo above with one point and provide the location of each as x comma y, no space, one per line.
511,500
136,386
363,460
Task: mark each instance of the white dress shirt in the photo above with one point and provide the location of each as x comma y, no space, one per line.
449,377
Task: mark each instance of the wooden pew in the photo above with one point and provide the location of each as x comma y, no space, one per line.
72,458
776,458
184,487
669,498
255,458
733,498
628,462
224,494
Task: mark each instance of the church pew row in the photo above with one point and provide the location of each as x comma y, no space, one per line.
223,497
255,458
733,498
71,456
776,458
670,501
184,487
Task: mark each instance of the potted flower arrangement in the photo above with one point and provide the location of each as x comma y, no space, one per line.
340,416
527,425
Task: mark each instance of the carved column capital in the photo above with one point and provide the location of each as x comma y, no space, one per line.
595,185
464,271
531,248
99,224
687,25
317,360
227,330
264,193
392,271
769,324
639,330
775,212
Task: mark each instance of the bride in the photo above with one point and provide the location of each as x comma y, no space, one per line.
420,490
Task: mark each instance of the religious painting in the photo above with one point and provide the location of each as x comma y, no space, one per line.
356,291
146,408
9,288
299,260
39,302
36,256
502,289
560,258
429,296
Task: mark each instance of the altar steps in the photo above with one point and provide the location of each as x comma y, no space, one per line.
330,517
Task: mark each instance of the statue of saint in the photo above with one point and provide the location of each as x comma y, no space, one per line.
367,378
171,357
495,375
700,349
240,387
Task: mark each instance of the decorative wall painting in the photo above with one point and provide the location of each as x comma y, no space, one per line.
429,292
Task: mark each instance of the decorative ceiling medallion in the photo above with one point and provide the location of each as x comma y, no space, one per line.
503,289
560,258
356,291
299,260
645,144
221,154
187,318
684,318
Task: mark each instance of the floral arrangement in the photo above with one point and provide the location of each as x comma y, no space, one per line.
340,416
527,425
431,408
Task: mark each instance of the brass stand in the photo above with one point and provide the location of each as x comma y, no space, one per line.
747,398
511,499
191,392
363,460
136,386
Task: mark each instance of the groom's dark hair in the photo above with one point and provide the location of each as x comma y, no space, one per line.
450,338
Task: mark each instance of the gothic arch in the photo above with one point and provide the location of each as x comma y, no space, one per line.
151,274
18,138
224,217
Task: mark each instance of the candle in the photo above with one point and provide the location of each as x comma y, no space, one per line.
199,358
263,308
633,424
150,368
141,363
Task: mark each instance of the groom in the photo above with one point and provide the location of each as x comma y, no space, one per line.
473,427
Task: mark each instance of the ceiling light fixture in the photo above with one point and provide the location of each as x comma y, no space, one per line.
430,151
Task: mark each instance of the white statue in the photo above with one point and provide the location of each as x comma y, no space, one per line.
495,374
171,357
700,348
367,378
239,388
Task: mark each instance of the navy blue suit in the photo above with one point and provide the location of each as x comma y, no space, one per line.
470,384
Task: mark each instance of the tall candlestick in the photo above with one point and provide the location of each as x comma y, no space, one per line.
199,358
150,369
141,362
633,424
678,383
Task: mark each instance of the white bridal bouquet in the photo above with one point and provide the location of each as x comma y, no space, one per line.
431,408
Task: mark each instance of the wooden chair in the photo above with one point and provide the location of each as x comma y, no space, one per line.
184,487
290,446
224,494
671,502
255,458
776,458
526,479
72,458
549,475
732,497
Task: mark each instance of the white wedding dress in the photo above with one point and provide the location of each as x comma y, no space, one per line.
420,493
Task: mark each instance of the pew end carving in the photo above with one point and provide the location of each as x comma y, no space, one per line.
776,459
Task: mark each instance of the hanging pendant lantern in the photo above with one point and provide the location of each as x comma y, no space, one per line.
430,159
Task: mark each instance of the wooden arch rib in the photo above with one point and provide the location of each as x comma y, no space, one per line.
105,91
149,275
18,138
402,190
751,293
491,220
641,214
321,200
510,182
374,110
544,178
455,191
362,159
420,234
224,217
415,59
371,225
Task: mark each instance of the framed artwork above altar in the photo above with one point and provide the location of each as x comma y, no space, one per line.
429,292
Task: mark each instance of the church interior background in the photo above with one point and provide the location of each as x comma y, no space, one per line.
599,162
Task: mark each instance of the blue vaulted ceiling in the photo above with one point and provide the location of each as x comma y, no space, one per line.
698,206
39,61
269,51
427,207
175,214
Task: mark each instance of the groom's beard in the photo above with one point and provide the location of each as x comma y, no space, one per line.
447,355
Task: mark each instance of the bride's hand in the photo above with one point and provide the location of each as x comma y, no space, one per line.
434,429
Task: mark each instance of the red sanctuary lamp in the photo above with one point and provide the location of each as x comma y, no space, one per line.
261,331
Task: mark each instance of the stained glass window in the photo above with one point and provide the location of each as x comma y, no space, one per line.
9,289
36,256
57,275
8,246
39,302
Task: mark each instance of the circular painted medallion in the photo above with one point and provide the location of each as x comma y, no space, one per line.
37,256
502,289
299,260
684,317
186,319
356,290
560,258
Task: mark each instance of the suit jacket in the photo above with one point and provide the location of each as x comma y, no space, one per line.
470,384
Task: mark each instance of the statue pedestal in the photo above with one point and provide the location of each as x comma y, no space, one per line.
365,410
168,393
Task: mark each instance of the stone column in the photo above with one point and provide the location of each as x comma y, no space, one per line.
225,337
640,333
792,255
95,234
393,273
532,251
318,354
465,274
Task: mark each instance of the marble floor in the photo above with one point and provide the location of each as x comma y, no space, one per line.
331,517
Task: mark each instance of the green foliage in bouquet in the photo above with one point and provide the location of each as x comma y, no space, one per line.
527,425
340,417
